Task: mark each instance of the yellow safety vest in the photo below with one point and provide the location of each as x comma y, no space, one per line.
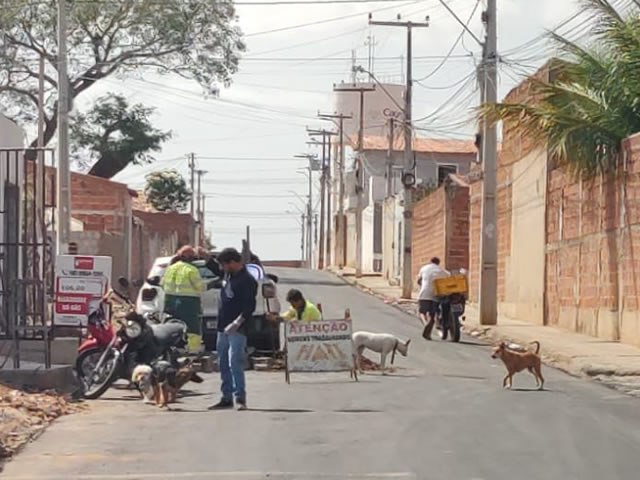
309,314
182,279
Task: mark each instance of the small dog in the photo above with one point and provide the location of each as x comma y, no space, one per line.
382,343
142,377
518,360
167,380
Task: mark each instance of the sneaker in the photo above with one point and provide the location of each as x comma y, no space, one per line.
222,405
241,405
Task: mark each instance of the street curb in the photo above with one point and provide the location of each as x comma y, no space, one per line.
554,359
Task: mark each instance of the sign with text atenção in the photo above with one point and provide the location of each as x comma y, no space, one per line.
81,282
321,346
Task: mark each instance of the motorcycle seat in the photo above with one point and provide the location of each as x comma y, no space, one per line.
168,333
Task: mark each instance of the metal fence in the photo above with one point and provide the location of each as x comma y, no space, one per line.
27,255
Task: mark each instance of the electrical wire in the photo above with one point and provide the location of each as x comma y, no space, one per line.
453,47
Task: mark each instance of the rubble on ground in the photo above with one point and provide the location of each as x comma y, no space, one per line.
24,415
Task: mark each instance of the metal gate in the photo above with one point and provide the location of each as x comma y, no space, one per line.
27,255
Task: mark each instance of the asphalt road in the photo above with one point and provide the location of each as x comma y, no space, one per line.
442,415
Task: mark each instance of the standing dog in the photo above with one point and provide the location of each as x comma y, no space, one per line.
382,343
518,360
142,377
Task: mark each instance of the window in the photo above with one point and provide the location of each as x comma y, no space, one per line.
444,171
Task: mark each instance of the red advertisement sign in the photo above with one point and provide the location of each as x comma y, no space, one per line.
67,304
83,263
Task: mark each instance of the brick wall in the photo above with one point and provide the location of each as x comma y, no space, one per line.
593,242
428,235
441,228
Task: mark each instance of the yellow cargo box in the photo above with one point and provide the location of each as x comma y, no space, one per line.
450,285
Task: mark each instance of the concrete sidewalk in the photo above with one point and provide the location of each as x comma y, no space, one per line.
615,364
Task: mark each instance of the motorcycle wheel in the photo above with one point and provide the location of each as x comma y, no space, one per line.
108,376
454,326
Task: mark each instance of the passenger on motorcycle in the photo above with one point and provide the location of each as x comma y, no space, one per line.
428,304
183,286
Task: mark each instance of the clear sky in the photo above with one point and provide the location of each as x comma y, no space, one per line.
247,137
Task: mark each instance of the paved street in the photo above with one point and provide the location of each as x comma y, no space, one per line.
442,416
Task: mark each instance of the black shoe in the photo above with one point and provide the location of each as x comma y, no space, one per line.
241,404
222,405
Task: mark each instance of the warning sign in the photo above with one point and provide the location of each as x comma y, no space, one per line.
321,346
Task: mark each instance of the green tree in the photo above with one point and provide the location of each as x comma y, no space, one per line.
167,191
197,40
591,101
114,134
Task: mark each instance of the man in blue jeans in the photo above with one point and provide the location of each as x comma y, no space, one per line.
237,303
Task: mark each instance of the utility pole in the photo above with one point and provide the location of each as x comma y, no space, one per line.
339,224
200,216
192,172
324,249
488,239
390,183
408,175
359,169
63,181
302,254
309,169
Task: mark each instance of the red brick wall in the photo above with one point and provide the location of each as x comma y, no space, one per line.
457,255
428,235
163,222
592,259
441,228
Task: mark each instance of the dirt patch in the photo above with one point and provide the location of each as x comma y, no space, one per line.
24,415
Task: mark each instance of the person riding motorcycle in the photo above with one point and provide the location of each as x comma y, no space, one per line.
183,287
428,304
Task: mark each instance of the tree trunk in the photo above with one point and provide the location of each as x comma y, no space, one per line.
108,166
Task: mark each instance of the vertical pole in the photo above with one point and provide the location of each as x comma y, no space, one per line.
64,174
390,182
407,280
359,189
203,231
302,242
199,216
340,230
323,190
309,221
192,171
488,240
248,238
327,257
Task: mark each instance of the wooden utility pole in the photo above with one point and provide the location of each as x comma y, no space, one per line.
340,234
302,242
489,240
408,174
359,169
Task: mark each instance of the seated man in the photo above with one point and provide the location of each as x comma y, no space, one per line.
301,309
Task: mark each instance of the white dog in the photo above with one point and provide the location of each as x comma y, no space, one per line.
142,377
382,343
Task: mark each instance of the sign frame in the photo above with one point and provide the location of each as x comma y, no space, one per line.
319,347
80,283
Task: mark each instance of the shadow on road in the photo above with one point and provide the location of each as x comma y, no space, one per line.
308,281
281,410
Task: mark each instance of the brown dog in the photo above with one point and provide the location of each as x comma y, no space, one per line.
516,361
184,375
167,380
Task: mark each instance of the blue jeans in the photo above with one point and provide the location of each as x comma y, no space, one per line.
231,350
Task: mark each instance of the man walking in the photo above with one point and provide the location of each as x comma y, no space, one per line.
237,304
428,304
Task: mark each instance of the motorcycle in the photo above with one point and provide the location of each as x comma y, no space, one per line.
451,315
135,342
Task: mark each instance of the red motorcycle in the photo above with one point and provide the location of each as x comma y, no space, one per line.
101,335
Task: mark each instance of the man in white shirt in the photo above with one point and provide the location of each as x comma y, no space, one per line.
428,304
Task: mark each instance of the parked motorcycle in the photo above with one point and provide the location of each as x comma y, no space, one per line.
135,342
